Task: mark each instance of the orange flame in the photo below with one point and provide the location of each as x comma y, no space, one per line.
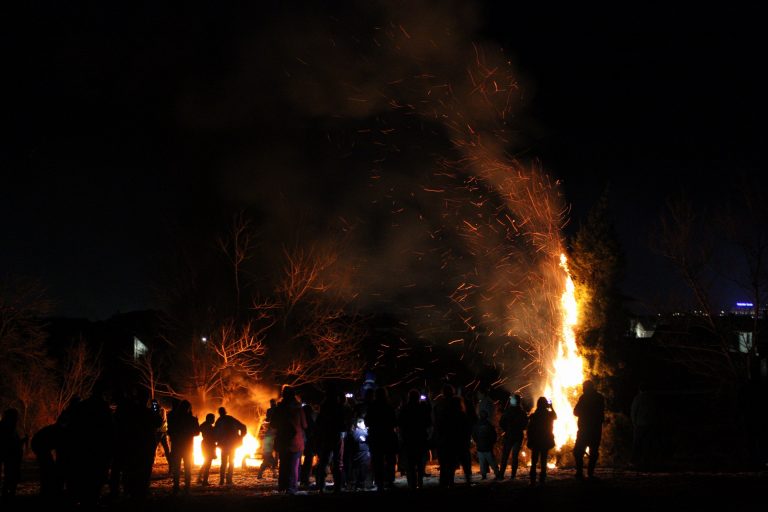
246,452
567,368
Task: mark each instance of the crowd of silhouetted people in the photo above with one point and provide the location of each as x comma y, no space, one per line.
97,449
364,441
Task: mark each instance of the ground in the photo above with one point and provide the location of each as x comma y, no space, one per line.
613,490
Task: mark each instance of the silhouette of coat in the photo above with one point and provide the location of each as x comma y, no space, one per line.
513,422
484,435
11,452
541,434
229,431
590,409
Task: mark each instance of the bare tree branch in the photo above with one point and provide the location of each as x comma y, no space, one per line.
237,247
81,369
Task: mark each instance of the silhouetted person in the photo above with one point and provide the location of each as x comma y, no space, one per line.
89,436
11,452
448,433
360,454
310,444
331,433
268,441
161,434
45,444
208,447
182,429
290,423
120,445
414,422
644,417
590,410
229,436
486,403
63,455
136,427
382,439
513,422
464,447
484,435
541,437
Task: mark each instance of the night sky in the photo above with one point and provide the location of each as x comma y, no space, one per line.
131,125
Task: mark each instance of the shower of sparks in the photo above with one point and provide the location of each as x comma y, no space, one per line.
493,227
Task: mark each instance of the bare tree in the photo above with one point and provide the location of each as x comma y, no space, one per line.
744,223
686,241
237,246
319,336
33,389
232,326
146,366
22,336
331,352
229,359
239,351
79,371
24,364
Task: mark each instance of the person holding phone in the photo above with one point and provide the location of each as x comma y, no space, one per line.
541,437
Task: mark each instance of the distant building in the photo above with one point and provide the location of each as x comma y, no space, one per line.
748,309
642,327
676,330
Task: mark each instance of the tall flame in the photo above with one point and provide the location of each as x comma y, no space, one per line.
567,370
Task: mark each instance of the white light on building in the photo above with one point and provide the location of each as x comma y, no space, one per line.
745,342
139,348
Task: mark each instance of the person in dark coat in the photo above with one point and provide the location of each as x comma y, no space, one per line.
541,437
182,429
381,420
360,454
135,427
88,438
331,428
229,432
513,422
486,403
290,424
11,452
464,440
45,444
207,447
484,435
414,422
448,433
590,410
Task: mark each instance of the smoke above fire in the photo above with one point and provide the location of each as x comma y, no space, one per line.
392,127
